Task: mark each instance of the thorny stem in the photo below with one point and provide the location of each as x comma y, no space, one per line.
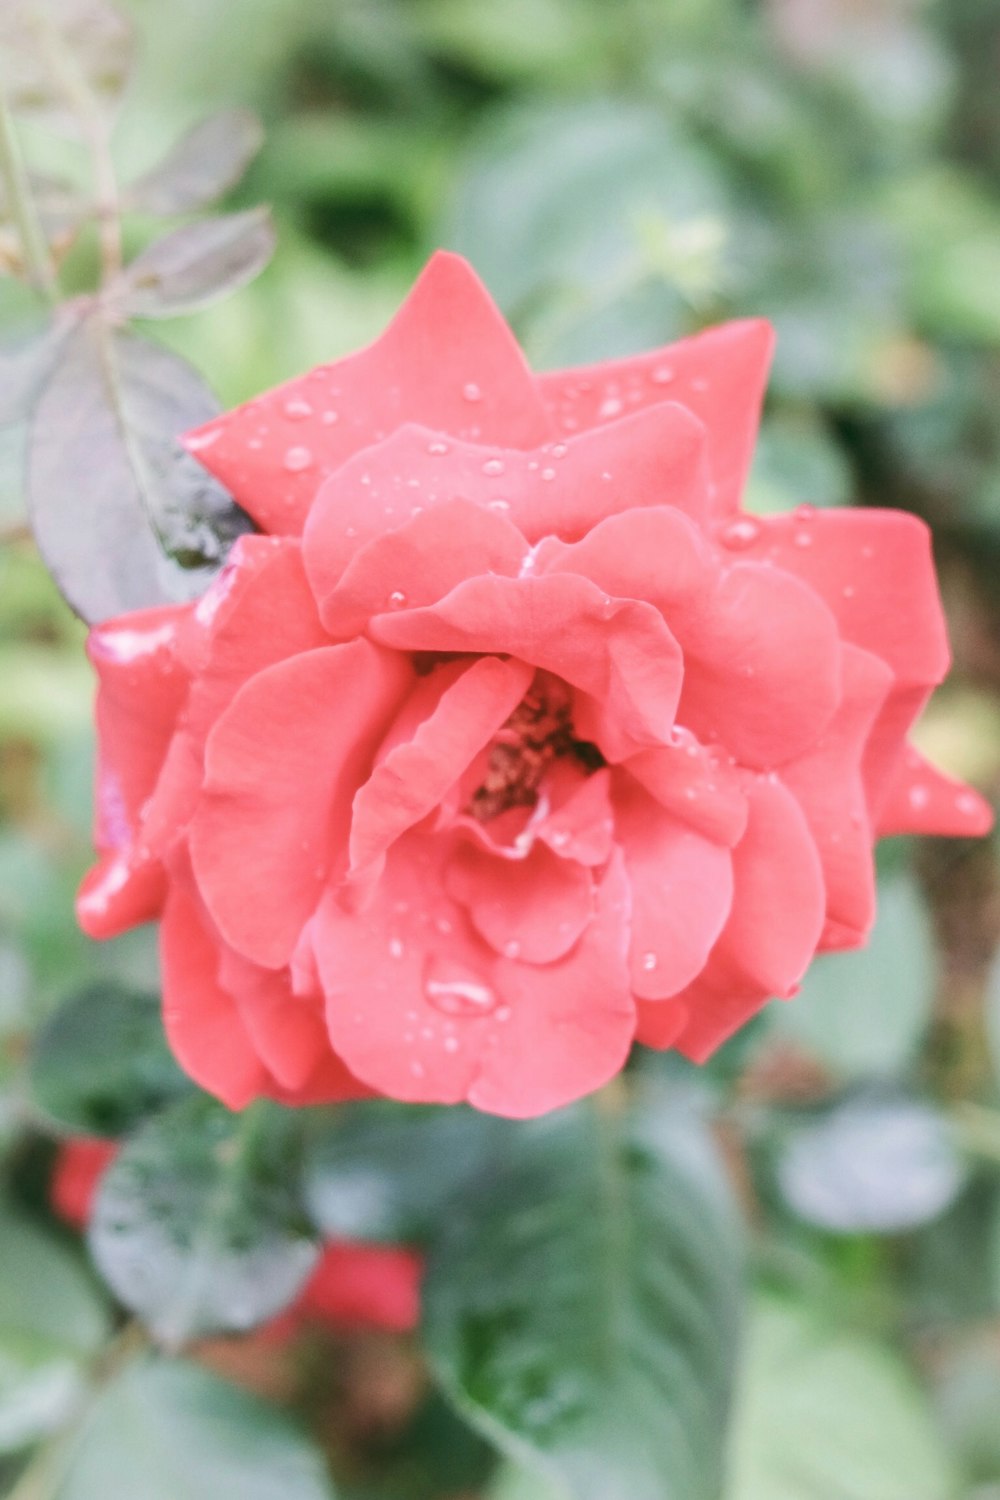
37,256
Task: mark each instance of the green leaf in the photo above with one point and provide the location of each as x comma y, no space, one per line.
197,1225
101,1063
581,1308
524,207
874,1163
50,51
168,1430
797,462
52,1323
107,477
384,1171
195,265
202,166
832,1416
863,1014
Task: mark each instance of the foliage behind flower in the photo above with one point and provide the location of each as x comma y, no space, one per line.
513,740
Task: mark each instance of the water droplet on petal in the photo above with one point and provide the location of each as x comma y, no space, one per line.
297,410
802,539
610,407
739,534
455,990
297,459
804,512
397,598
662,375
437,448
395,948
493,467
511,948
548,474
649,962
919,796
471,392
328,418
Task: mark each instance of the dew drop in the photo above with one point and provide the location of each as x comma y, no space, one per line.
966,803
297,459
493,467
395,948
802,539
499,504
328,418
548,474
471,392
397,598
649,962
417,1069
662,375
437,448
804,512
919,796
297,410
451,1044
609,407
740,533
456,991
511,948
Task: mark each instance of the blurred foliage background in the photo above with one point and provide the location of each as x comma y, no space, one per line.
620,174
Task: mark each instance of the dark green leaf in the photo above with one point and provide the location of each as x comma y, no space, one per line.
198,1225
49,50
873,1163
195,265
205,163
52,1322
832,1416
101,1062
107,475
582,1308
167,1430
384,1171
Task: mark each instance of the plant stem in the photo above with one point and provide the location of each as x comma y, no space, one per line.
37,256
78,94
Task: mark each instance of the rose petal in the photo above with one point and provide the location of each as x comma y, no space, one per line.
414,776
423,1010
201,1019
447,360
618,651
922,799
655,554
718,375
828,785
414,565
761,666
281,769
534,910
682,890
696,784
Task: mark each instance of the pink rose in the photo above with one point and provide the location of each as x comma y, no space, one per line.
513,741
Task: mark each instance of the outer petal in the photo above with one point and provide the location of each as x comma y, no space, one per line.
719,375
922,799
762,666
828,785
142,688
447,360
773,929
258,611
285,1029
201,1019
282,765
619,652
655,458
422,1009
415,775
875,570
682,890
534,910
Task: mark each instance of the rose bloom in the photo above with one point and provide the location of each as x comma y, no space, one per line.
354,1285
511,741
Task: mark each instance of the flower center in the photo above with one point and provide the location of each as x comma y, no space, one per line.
538,732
